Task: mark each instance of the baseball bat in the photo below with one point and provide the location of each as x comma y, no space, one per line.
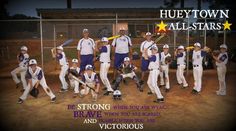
53,50
80,81
158,39
109,38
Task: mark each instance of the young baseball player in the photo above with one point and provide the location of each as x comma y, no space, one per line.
75,71
154,66
91,79
122,48
35,78
164,68
23,59
221,61
197,57
144,45
180,55
86,50
61,57
127,69
105,60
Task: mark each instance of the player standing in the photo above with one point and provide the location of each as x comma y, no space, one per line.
221,61
23,59
197,57
164,68
86,50
180,55
144,63
122,48
36,77
61,57
154,65
105,51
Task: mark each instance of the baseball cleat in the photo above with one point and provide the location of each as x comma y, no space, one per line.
75,95
220,93
184,86
53,99
17,85
159,100
167,90
63,90
149,93
20,101
107,93
104,88
194,92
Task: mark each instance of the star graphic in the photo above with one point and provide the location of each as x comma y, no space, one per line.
227,25
162,26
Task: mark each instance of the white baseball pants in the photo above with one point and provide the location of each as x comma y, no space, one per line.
180,75
165,72
221,72
62,75
43,84
152,83
104,68
22,71
75,85
197,75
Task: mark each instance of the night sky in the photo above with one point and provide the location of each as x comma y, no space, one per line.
28,7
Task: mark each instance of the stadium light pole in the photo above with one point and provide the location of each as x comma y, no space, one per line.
41,40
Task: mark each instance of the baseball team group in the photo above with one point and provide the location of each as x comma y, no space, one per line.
154,62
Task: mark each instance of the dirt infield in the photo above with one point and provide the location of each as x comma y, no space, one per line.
183,111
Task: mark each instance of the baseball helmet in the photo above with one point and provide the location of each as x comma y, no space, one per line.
32,62
85,30
88,67
197,44
24,48
74,60
104,39
223,46
59,48
180,47
117,95
126,59
148,33
154,47
165,46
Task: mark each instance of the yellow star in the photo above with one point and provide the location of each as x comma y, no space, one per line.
162,26
227,25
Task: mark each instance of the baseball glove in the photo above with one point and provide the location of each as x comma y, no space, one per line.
215,52
34,92
168,60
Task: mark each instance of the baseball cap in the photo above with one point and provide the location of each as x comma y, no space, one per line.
59,48
85,30
148,33
224,46
166,46
24,48
104,39
180,47
32,62
75,60
197,44
126,59
89,67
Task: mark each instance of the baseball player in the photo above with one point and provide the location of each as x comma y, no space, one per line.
180,55
144,45
86,50
75,71
164,68
154,65
91,79
127,69
122,48
197,57
61,57
221,61
105,60
36,77
23,59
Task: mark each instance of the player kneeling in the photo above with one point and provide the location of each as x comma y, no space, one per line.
74,71
127,70
153,73
35,77
91,82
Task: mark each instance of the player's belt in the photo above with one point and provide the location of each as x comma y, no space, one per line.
153,69
195,65
106,62
180,64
